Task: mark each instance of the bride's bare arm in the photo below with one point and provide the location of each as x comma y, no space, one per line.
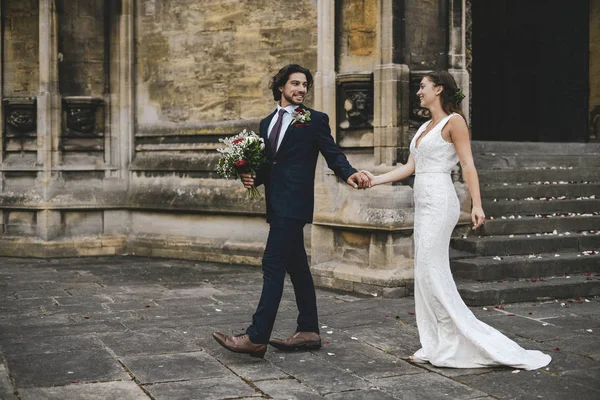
459,134
397,174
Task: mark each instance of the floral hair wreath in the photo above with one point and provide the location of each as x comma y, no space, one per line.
458,96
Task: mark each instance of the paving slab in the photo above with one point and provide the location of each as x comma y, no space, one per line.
427,386
527,385
90,391
323,376
57,369
288,389
6,388
146,341
172,367
206,389
369,394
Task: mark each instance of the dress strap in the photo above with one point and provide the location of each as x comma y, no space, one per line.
443,123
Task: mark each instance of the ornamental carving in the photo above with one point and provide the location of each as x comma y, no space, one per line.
81,120
22,120
81,117
355,110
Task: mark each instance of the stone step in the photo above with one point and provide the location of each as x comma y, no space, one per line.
523,244
493,160
534,266
536,206
491,293
534,225
589,174
524,148
524,190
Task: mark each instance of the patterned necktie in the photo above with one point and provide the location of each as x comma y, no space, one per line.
274,136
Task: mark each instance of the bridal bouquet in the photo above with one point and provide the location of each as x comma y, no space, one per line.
242,154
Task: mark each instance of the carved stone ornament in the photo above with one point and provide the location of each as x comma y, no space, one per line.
355,109
81,114
81,120
22,120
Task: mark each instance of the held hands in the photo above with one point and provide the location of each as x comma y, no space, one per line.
477,216
248,180
359,180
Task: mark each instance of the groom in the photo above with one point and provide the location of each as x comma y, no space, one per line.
294,135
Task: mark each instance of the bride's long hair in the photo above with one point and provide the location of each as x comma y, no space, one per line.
451,95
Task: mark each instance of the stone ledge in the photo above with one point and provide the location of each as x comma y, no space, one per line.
71,247
221,251
353,278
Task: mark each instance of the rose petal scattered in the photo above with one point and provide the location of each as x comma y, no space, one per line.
331,354
516,371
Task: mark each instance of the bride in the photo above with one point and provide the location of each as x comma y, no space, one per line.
450,334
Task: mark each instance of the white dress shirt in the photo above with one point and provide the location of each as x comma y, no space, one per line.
287,120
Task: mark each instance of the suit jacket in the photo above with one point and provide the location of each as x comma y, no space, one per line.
289,175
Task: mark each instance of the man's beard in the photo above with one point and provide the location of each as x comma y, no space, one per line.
291,100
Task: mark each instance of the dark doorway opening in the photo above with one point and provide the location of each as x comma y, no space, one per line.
530,70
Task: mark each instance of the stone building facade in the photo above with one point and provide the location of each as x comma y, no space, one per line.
112,111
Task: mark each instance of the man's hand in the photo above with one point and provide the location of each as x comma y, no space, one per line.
248,180
359,180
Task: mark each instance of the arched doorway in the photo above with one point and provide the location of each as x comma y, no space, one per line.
530,79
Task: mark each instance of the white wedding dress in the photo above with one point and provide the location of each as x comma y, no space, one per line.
450,334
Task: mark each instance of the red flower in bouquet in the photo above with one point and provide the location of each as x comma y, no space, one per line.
240,164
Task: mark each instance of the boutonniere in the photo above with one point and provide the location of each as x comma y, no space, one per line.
300,115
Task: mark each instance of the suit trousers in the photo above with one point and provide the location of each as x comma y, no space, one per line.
284,252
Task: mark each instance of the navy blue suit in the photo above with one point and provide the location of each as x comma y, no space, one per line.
289,177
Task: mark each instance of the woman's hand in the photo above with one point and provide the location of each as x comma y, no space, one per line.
477,216
370,176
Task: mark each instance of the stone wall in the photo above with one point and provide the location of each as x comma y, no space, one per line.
81,45
21,43
595,70
80,179
212,60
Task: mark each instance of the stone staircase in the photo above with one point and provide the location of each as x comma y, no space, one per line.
542,236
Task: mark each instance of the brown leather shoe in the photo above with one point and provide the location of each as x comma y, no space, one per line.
298,341
240,344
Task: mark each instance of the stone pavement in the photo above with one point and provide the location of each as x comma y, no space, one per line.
137,328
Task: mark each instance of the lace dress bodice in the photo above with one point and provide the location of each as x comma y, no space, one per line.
434,154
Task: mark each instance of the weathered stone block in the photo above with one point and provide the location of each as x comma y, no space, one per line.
83,223
21,223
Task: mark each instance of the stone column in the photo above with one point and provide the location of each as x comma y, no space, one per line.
362,240
122,107
325,78
390,120
1,98
48,115
457,61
